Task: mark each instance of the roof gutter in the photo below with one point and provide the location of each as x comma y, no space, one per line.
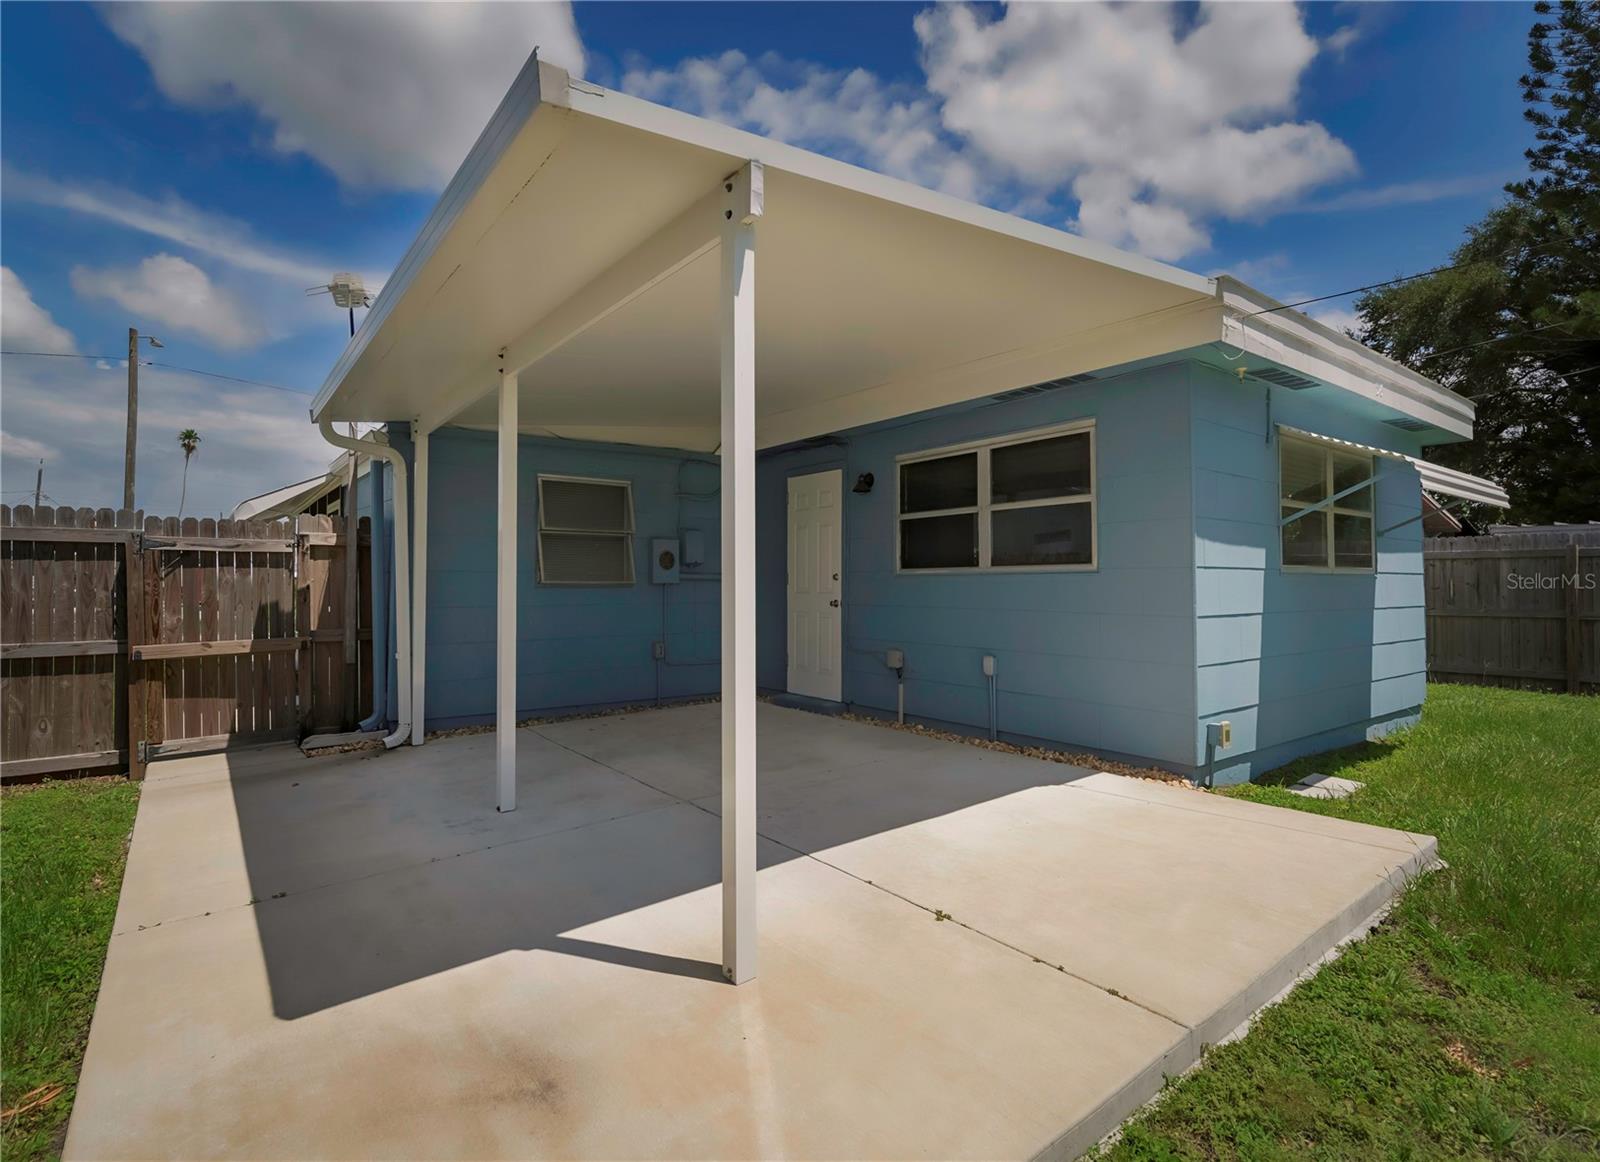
402,569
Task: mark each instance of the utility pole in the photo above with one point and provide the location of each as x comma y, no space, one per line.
133,419
38,486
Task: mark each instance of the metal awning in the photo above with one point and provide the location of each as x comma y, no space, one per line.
1447,481
1334,441
1436,478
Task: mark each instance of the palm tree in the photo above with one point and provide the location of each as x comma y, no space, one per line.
189,441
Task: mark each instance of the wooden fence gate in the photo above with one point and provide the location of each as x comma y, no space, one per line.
1515,609
125,638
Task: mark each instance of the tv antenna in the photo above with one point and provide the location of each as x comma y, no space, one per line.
348,293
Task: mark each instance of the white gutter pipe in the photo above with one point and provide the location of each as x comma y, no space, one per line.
402,570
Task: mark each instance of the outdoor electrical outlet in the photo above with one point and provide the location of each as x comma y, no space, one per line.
894,659
658,650
988,665
1219,734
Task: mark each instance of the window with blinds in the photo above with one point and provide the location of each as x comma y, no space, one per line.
1324,506
585,531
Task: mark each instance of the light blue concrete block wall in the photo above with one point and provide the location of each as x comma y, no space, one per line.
577,646
1297,662
1101,660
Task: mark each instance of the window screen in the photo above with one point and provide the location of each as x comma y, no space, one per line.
585,531
1325,506
1008,504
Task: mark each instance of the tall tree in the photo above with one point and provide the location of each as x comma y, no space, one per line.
189,441
1513,321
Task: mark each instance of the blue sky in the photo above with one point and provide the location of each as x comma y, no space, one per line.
191,169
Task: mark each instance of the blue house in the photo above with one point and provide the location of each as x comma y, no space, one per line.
676,411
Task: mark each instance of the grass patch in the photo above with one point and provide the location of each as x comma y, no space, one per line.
62,849
1468,1024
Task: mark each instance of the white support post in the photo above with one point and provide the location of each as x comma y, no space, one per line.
742,206
419,585
505,714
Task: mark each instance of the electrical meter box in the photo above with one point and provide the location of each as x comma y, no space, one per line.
664,560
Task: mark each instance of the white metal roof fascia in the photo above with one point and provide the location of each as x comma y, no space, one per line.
1298,341
740,145
536,82
1435,477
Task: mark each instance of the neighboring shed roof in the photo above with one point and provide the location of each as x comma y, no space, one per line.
876,298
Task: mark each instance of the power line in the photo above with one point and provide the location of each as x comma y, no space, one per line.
1396,281
163,366
62,355
1495,339
230,378
1566,375
1356,290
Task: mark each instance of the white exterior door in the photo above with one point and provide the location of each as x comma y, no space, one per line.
815,602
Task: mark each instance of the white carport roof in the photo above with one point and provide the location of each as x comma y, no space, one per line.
604,268
576,238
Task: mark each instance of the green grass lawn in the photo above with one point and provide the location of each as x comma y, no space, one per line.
1468,1024
62,848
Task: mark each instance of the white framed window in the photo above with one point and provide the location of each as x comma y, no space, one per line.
1324,507
585,531
1023,501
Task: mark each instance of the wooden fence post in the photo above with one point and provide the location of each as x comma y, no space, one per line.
137,611
1574,647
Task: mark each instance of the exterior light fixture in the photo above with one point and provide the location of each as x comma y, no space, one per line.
863,483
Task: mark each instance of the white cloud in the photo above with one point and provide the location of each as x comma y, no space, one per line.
1409,193
25,325
1339,40
173,293
848,114
15,447
1153,121
254,439
1153,118
1258,271
1339,318
384,95
172,220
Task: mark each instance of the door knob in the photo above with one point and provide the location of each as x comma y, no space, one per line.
834,603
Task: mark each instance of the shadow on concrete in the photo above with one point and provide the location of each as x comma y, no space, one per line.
373,870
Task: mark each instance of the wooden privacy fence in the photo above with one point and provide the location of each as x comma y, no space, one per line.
124,637
1515,609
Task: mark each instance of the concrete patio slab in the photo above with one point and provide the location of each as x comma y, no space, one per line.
1325,787
356,956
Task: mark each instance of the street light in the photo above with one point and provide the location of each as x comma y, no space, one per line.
133,412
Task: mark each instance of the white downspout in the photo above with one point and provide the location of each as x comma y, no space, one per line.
402,570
